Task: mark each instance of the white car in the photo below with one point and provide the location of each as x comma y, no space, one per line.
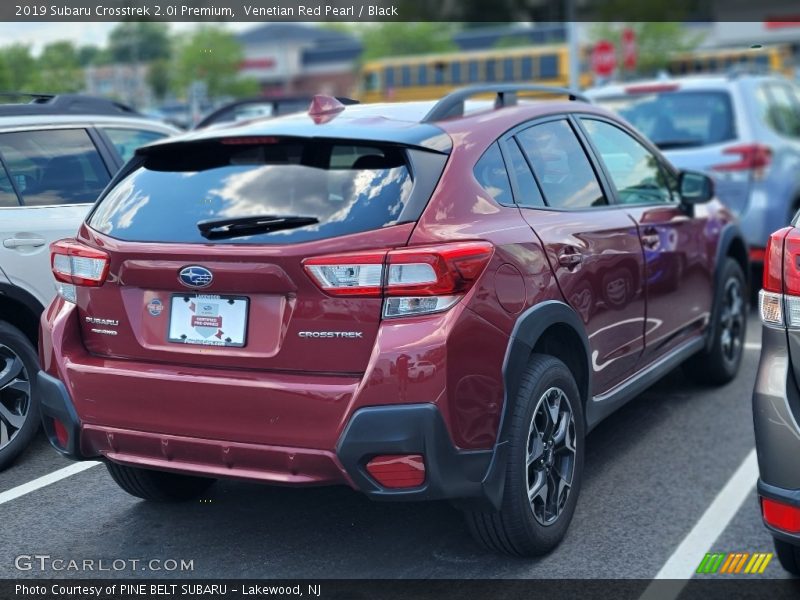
57,153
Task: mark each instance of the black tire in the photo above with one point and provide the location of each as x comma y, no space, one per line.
19,402
520,527
158,486
788,556
720,364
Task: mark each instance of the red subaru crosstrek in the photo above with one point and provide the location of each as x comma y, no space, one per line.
416,300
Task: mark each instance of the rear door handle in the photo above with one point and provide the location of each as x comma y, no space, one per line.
570,258
21,242
650,238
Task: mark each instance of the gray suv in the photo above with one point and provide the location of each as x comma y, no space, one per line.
776,398
743,130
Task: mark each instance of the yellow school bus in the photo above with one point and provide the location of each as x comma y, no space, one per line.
775,59
431,76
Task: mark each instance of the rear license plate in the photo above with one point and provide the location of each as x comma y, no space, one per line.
208,320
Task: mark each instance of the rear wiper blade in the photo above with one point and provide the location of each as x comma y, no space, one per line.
215,229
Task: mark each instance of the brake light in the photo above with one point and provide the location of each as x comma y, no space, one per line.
249,140
76,264
781,516
791,262
779,301
348,274
773,261
655,88
751,157
412,281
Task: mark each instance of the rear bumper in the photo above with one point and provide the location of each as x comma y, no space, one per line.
776,402
776,413
401,429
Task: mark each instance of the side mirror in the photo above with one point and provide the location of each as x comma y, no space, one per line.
695,188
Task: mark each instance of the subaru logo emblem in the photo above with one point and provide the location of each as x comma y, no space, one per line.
195,276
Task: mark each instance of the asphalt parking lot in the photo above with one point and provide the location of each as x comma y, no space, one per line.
652,471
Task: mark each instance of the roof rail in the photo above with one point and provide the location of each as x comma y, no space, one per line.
59,104
452,105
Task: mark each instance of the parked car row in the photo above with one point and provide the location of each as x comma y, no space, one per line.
57,153
743,130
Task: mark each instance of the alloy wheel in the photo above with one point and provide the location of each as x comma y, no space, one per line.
551,452
15,395
732,320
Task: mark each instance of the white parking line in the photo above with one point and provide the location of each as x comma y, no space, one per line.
45,480
687,556
752,346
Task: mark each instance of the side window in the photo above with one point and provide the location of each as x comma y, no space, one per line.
126,141
784,113
635,171
8,197
59,166
490,171
529,194
561,166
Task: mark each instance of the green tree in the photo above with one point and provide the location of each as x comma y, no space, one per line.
656,42
58,69
402,39
5,77
139,41
212,55
158,78
20,66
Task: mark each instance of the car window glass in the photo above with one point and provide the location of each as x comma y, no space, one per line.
784,111
60,166
126,141
561,166
529,194
347,188
8,197
678,119
634,170
490,171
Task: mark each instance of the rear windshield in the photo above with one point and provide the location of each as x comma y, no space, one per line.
346,187
678,119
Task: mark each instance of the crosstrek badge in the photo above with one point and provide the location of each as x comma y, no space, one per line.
155,307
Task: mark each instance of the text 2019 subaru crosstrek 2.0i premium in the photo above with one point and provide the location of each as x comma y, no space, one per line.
416,300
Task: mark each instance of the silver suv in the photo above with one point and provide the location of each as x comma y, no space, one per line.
743,130
57,153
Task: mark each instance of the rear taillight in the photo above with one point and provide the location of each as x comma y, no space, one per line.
412,281
348,274
76,264
749,157
779,301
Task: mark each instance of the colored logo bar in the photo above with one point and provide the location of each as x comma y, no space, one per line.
734,562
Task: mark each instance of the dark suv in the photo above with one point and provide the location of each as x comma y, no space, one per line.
414,300
776,399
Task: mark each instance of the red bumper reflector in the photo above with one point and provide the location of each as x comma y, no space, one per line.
758,254
781,516
61,433
398,470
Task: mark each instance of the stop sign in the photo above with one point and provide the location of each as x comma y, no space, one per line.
629,48
604,59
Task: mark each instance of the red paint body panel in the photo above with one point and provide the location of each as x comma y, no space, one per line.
275,409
